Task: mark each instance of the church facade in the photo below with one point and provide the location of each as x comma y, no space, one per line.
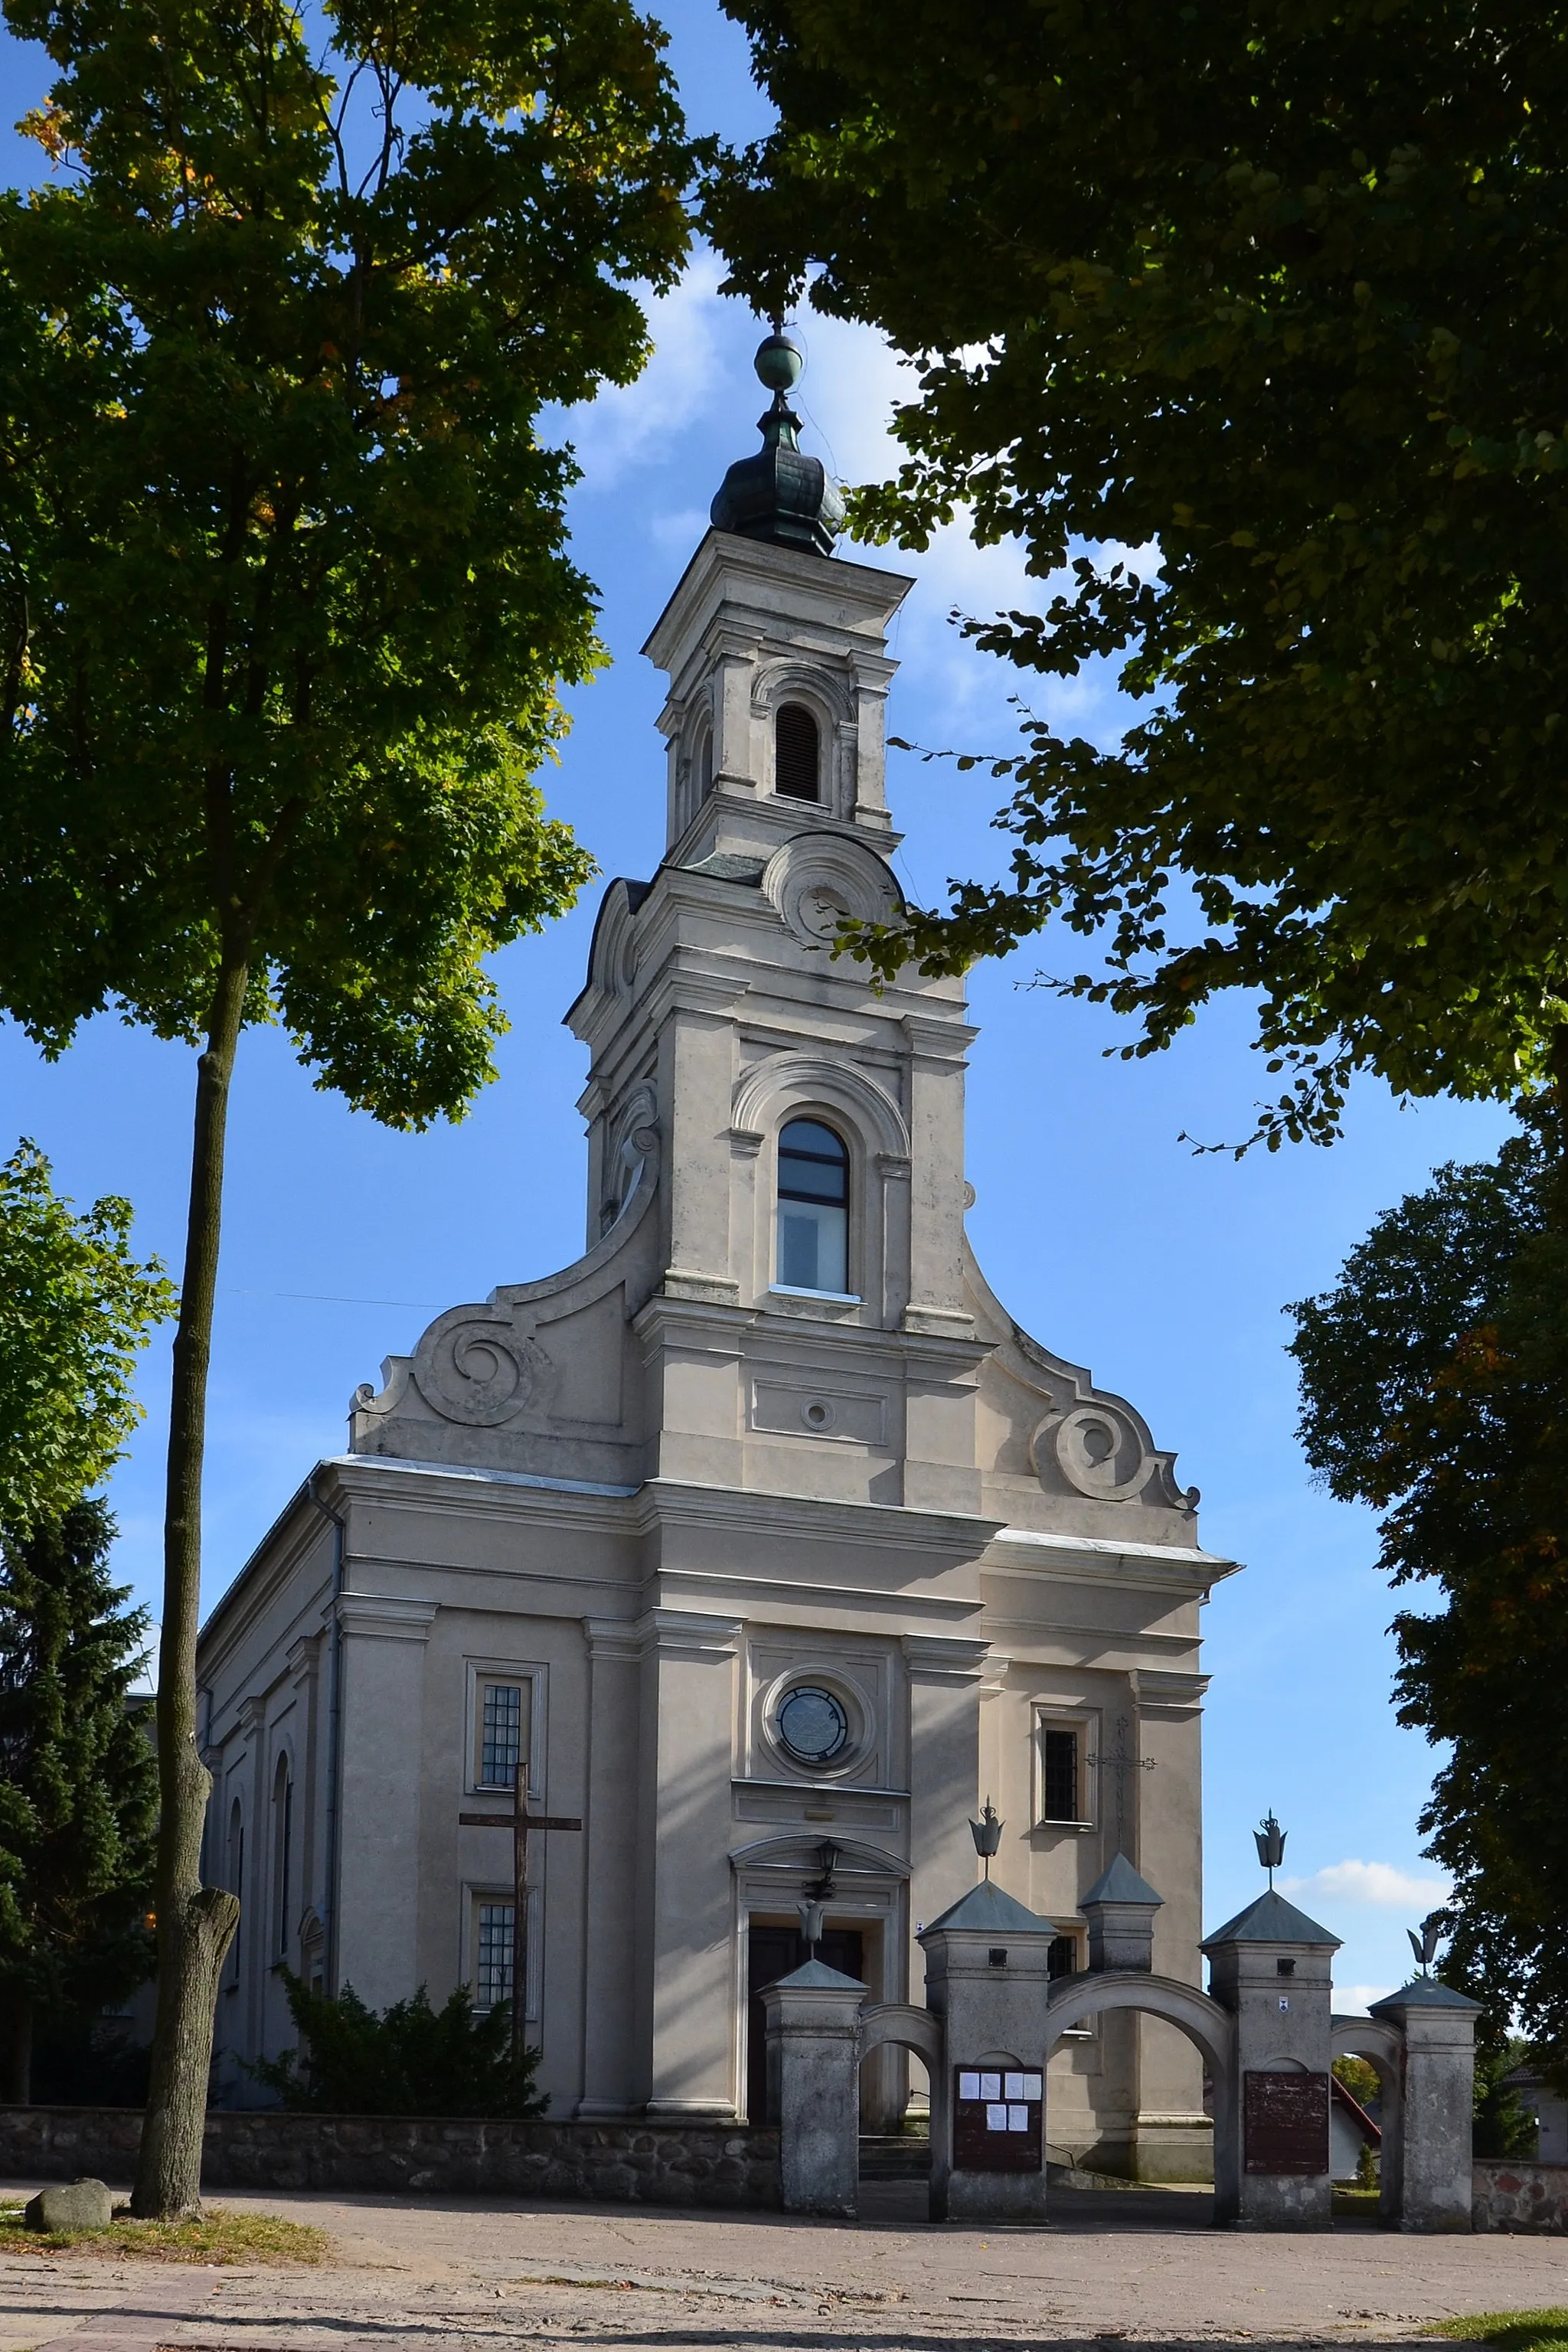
759,1540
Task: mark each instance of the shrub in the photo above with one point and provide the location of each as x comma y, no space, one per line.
412,2060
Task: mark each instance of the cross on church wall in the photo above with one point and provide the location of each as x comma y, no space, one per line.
519,1822
1119,1761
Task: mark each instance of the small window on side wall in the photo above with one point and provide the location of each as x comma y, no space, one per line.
813,1251
1060,1773
1062,1958
797,754
500,1731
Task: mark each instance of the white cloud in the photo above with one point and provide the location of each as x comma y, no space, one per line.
1370,1882
1354,2001
679,387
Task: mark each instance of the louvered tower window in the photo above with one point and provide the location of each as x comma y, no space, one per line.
797,754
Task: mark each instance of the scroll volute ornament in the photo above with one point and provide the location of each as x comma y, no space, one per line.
1096,1449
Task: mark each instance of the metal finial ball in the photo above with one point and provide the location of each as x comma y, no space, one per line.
779,362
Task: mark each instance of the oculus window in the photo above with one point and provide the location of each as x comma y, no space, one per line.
813,1725
797,754
812,1251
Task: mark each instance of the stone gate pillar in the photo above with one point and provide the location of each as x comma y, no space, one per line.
987,1978
814,2087
1440,2028
1272,1967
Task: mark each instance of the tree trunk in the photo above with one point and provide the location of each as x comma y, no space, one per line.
16,2051
195,1923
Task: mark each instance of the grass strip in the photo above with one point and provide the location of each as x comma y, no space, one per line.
1511,2331
222,2235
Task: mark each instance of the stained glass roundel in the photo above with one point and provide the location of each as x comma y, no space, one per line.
813,1725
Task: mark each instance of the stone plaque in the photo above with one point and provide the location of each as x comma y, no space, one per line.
1287,2118
998,2119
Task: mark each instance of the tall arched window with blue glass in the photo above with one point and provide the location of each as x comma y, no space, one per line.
813,1210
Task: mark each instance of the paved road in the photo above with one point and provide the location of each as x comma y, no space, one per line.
444,2274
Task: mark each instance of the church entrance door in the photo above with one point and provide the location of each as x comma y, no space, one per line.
774,1952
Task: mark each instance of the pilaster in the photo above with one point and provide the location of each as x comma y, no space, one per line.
610,1830
384,1641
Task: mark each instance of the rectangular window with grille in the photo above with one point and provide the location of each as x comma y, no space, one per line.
492,1958
1062,1957
502,1734
1060,1774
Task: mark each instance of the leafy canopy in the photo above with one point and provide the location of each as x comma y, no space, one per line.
285,603
75,1308
1434,1387
412,2060
1271,294
79,1787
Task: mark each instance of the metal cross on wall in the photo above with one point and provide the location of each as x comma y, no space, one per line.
1119,1761
520,1821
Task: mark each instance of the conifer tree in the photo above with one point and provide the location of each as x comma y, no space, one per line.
77,1784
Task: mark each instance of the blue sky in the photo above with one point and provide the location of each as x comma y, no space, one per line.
1100,1229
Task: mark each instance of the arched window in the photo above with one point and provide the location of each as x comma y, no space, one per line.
703,763
813,1209
282,1852
797,754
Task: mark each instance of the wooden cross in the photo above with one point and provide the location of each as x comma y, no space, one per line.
520,1821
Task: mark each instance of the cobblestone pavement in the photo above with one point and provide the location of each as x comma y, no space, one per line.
475,2275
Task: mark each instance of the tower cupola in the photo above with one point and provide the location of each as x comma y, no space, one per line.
780,494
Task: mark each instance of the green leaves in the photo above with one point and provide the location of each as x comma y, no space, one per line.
1434,1387
1274,296
283,562
79,1792
411,2060
75,1308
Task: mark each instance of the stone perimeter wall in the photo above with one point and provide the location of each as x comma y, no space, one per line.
1522,2197
633,2163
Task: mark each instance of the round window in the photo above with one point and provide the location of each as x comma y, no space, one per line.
813,1725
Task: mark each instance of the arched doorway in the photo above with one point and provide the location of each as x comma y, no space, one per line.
1210,2028
1383,2048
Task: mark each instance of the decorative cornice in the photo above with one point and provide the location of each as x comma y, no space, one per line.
689,1634
613,1641
946,1659
385,1617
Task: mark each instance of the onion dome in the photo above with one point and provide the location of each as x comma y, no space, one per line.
780,494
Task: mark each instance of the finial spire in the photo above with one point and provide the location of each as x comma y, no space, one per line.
1270,1839
780,494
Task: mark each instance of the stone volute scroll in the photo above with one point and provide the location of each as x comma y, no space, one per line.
1097,1448
485,1372
818,880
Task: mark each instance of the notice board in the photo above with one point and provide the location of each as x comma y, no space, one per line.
998,2119
1286,2123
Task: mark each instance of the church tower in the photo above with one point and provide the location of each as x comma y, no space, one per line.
761,1539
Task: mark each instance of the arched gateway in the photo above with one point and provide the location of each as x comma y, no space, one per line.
1265,2032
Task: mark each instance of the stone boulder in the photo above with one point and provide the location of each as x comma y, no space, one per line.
75,2205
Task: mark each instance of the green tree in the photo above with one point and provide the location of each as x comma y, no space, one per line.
285,600
412,2060
1269,295
75,1308
79,1786
1434,1385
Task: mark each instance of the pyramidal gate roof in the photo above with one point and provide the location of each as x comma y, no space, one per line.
985,1905
1121,1883
1271,1920
816,1975
1422,1992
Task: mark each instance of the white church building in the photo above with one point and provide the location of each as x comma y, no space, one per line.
761,1536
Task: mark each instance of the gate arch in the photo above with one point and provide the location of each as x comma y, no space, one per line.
1205,2024
1383,2046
